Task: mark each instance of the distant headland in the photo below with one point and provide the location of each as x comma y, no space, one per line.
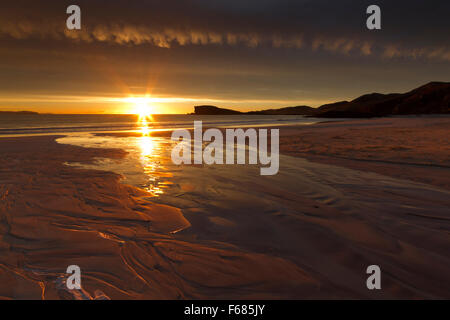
18,112
432,98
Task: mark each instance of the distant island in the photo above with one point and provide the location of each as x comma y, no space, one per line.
432,98
18,112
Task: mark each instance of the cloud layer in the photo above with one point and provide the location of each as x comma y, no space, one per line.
167,38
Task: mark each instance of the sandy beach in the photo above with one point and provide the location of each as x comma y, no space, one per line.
413,148
348,195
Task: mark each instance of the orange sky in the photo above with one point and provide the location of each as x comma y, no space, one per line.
129,104
232,54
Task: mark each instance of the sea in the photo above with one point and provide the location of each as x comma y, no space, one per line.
35,124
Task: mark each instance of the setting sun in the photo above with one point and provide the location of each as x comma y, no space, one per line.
141,106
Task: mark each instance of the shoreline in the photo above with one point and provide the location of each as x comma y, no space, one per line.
361,153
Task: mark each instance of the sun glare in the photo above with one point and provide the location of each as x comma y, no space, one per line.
141,106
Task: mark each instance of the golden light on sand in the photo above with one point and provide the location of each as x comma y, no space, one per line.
150,159
143,122
147,145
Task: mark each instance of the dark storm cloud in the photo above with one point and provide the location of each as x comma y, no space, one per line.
411,29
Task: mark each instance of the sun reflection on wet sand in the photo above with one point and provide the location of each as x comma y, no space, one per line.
143,122
151,150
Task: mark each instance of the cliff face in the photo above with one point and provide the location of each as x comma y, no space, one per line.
212,110
432,98
299,110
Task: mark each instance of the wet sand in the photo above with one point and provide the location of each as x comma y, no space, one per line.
224,232
413,148
53,216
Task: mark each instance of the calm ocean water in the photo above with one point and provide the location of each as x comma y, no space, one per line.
19,124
